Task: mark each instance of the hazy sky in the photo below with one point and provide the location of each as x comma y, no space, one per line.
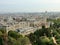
29,5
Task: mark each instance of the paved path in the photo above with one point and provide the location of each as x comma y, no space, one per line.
54,40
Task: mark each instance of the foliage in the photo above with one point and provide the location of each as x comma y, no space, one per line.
44,36
13,38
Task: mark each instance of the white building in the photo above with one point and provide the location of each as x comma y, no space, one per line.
26,31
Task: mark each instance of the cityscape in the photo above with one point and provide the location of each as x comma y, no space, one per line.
29,22
25,24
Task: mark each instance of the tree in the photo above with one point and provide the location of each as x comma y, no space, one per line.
44,40
24,41
1,41
14,34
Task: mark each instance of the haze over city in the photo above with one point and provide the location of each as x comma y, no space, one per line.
29,5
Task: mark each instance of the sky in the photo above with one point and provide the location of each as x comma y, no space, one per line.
29,5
